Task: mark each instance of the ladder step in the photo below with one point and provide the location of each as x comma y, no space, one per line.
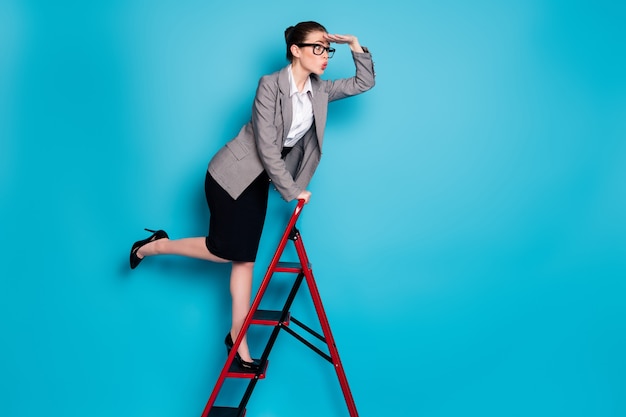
294,267
269,317
236,371
224,412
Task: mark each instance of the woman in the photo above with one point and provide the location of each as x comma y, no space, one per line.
281,144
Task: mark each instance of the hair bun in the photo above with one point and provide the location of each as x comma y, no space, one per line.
288,32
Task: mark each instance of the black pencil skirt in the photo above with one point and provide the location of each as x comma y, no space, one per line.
235,226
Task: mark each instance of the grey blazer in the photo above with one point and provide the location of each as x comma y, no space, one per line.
259,143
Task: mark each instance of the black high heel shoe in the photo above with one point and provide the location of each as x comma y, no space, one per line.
156,235
253,366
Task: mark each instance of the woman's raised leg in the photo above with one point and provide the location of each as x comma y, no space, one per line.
192,247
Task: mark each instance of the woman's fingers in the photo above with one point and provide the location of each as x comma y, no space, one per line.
339,38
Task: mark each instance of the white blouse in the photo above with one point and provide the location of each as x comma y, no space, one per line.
302,118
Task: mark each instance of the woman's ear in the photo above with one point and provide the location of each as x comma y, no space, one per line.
295,51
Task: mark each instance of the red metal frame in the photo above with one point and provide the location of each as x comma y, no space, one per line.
317,302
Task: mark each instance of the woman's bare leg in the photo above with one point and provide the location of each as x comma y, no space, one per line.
192,247
241,290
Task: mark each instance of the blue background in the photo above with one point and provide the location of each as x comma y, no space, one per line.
467,225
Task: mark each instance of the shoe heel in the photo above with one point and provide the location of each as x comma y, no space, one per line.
253,366
156,235
228,341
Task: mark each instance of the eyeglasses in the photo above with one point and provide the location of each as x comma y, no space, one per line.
319,49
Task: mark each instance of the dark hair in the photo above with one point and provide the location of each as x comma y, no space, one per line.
298,33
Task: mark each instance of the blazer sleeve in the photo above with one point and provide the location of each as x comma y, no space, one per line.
363,80
268,136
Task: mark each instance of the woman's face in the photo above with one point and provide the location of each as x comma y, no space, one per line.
309,61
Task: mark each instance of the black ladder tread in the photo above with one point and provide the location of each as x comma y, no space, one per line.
224,412
269,317
237,371
294,267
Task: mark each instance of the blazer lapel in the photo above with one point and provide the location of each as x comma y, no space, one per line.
286,105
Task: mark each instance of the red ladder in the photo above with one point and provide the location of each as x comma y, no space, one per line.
280,320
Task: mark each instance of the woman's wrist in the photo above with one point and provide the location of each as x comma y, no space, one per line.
355,46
